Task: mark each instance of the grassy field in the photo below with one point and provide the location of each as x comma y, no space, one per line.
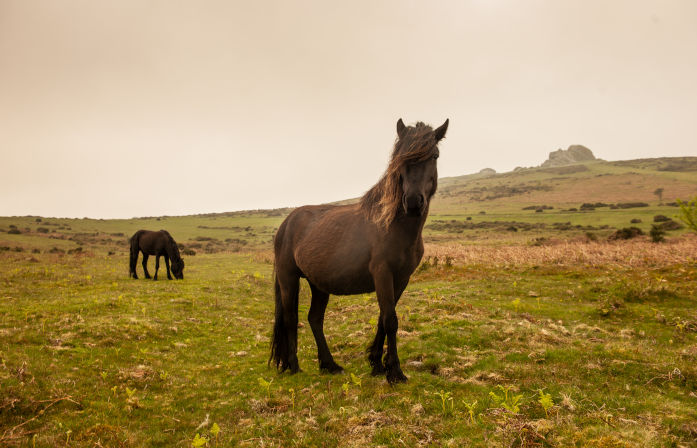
546,335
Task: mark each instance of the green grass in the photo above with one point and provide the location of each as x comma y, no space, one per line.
74,327
89,357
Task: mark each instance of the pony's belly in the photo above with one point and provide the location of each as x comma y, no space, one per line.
344,286
337,274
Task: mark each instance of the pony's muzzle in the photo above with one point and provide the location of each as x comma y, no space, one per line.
413,204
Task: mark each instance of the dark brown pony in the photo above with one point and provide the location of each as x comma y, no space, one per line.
160,244
374,245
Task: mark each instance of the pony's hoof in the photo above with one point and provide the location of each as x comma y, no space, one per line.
396,376
332,368
378,370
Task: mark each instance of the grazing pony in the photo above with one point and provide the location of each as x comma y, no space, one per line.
160,244
373,245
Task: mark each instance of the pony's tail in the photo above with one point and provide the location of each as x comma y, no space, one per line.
134,254
279,340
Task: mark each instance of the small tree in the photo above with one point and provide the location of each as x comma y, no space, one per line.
657,233
688,213
659,192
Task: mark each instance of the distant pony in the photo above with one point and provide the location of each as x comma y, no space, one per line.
160,244
373,245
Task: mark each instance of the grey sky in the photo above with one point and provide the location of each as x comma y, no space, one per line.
133,108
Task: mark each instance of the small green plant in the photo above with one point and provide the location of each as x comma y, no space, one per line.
292,397
345,388
67,436
130,392
510,403
470,409
356,380
688,213
546,402
516,304
445,398
103,375
199,441
215,430
266,385
164,375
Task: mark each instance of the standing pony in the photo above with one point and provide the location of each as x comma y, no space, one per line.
374,245
160,244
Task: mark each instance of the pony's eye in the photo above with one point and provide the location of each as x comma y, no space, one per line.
435,156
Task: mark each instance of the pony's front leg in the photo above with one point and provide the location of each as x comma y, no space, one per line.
375,350
384,287
157,266
169,276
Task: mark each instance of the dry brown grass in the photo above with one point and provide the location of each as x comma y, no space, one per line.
635,253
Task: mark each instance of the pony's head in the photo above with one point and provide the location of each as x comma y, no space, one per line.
178,269
414,160
411,178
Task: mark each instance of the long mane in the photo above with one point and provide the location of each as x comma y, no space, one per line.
172,246
382,203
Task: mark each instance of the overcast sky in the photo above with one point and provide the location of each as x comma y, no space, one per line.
142,108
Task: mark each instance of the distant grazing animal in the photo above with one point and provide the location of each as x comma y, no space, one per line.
374,245
160,244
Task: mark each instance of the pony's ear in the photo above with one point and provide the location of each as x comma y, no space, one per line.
400,128
440,132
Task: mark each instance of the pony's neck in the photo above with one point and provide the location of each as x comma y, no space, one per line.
172,251
411,226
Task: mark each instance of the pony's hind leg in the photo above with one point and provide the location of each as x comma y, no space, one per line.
316,318
289,289
145,265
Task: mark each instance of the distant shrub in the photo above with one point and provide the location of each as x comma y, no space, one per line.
670,225
539,210
18,249
512,228
42,229
38,219
631,204
573,209
591,236
482,212
593,206
635,221
77,250
35,251
661,218
56,250
4,248
657,233
12,226
469,218
190,252
536,207
626,233
14,231
204,238
539,241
